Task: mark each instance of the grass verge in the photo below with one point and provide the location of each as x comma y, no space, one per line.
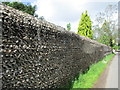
88,79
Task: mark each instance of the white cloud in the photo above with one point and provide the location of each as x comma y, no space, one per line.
44,8
62,12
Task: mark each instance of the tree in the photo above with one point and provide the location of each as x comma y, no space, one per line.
85,26
42,18
22,7
68,26
107,33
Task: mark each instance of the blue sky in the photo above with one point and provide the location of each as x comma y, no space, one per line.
61,12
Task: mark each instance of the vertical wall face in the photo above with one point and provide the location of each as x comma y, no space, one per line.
38,54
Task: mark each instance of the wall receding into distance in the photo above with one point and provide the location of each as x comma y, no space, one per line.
39,54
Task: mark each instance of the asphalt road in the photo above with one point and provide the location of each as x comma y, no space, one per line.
112,76
109,78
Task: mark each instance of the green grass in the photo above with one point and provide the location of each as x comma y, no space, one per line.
88,79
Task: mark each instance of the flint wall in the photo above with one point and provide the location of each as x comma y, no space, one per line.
39,54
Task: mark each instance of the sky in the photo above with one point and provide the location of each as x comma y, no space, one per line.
62,12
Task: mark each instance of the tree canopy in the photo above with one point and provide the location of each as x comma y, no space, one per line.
68,26
107,33
85,26
22,7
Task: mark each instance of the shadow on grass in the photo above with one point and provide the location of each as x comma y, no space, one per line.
70,84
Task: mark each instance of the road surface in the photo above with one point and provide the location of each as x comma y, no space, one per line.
109,78
112,77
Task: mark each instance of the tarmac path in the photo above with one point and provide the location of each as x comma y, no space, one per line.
109,78
112,77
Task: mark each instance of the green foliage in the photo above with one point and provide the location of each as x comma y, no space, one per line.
107,33
116,47
104,36
88,79
22,7
104,39
85,26
68,26
6,3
